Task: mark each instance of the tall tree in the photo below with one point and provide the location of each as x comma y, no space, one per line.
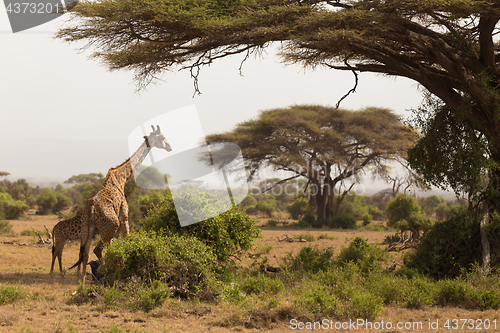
324,145
446,46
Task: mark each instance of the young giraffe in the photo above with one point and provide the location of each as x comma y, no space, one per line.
107,210
62,232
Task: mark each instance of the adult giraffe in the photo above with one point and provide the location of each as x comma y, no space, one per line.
107,210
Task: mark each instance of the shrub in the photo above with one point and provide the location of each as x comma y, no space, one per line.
404,213
298,208
448,247
309,220
363,305
367,219
11,209
182,262
227,234
316,299
343,221
261,284
310,259
150,200
5,227
362,254
50,201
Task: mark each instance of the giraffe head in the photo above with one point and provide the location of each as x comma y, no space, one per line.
157,139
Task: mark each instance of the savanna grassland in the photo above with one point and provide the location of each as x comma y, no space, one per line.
40,304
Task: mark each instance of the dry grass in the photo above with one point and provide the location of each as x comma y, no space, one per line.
46,309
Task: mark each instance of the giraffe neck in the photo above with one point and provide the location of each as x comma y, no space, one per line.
124,171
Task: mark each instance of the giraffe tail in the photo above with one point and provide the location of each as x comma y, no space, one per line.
80,259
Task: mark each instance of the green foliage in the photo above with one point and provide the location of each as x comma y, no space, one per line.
309,221
150,200
10,294
367,257
342,221
298,208
11,208
227,234
404,213
133,295
450,152
448,247
283,138
151,297
93,178
307,237
367,219
5,227
182,262
310,260
20,190
263,203
50,201
316,299
261,284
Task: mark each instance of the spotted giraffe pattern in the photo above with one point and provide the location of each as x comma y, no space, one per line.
64,231
107,210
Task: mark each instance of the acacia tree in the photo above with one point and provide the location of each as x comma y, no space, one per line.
447,47
324,145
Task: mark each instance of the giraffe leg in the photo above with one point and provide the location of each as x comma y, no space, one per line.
53,261
59,258
123,218
85,254
98,249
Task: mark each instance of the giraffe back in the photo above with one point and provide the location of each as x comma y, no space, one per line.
70,229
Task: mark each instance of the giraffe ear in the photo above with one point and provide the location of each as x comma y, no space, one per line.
158,128
153,128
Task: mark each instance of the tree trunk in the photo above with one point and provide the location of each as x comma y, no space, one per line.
484,240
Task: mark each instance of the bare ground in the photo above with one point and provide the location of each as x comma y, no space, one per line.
25,264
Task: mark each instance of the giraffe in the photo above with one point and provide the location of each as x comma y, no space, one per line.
63,231
107,210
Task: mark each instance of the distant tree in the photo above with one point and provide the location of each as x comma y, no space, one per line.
4,174
11,208
298,208
323,145
51,202
82,178
404,213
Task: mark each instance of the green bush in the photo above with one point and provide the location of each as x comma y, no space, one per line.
367,257
50,201
5,227
310,259
182,262
404,213
367,219
308,221
11,209
227,234
448,247
261,284
317,300
298,208
343,221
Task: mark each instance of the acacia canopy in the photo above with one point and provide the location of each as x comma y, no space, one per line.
323,145
446,46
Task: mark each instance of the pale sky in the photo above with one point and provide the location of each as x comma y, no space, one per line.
60,109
